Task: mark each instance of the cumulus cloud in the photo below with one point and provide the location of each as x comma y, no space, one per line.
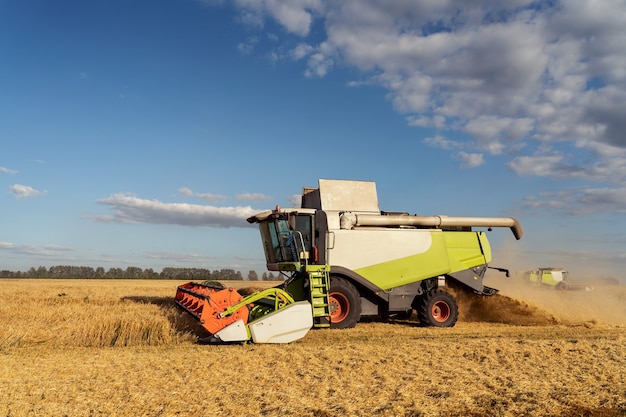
296,16
127,208
537,165
25,191
608,168
492,130
505,77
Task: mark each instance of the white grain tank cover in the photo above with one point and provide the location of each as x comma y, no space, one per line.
342,195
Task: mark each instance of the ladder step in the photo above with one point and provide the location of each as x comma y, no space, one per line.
319,286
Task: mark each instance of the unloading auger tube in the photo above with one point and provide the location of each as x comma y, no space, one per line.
351,220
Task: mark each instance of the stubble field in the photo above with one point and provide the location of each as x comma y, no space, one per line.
121,348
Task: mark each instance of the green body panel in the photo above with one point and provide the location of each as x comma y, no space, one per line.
548,279
465,249
449,252
485,246
296,288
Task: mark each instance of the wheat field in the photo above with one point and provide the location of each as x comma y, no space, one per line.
121,348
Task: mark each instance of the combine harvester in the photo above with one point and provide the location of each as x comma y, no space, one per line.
552,277
557,278
344,259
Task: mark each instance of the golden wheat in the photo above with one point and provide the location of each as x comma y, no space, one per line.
87,348
85,314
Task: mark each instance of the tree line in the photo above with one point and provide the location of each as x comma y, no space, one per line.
133,272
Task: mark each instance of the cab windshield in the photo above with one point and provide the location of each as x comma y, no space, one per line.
281,243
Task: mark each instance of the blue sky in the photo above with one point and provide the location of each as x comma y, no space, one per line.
143,133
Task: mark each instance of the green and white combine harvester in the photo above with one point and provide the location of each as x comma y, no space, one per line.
552,277
344,259
556,278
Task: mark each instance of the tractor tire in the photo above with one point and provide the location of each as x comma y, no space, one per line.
437,308
345,304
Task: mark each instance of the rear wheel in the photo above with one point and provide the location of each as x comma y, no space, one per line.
438,308
345,304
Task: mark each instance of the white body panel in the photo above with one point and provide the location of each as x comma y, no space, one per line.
284,325
234,332
557,276
357,196
356,248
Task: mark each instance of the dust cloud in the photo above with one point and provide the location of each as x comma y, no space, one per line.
522,303
595,297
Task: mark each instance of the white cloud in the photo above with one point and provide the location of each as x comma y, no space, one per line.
253,197
130,209
301,51
25,191
211,198
470,160
318,65
543,166
437,121
296,16
578,201
605,115
46,250
185,192
8,171
505,74
246,48
58,248
492,130
443,143
179,257
604,163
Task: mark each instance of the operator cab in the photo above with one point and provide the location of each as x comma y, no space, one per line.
287,237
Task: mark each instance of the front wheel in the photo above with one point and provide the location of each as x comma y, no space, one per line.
438,308
345,304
